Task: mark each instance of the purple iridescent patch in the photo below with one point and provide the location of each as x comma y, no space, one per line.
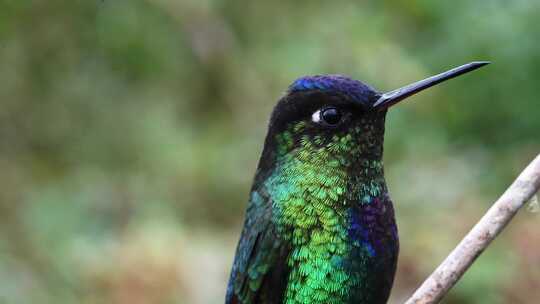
337,83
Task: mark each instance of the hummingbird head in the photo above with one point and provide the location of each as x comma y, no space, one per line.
335,120
328,113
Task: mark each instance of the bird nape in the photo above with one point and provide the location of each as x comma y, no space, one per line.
319,225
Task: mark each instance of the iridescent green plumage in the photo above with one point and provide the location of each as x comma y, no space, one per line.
312,213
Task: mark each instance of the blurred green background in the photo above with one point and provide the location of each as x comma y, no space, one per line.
130,131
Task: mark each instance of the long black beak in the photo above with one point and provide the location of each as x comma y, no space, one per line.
390,98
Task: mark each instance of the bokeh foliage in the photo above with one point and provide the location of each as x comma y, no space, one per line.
130,130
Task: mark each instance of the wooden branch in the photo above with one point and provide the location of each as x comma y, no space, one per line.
475,242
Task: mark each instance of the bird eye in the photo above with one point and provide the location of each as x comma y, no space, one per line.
329,116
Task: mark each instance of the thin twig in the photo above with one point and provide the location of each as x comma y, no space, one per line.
475,242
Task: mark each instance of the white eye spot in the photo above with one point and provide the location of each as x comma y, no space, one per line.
316,117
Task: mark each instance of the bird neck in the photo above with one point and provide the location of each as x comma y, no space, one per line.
316,197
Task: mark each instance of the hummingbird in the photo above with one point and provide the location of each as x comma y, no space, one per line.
319,225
